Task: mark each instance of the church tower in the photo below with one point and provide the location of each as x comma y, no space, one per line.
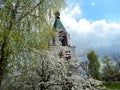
61,40
61,35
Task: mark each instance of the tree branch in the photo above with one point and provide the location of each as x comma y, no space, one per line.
52,85
27,13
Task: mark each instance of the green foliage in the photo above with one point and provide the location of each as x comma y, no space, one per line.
112,86
93,65
108,68
25,26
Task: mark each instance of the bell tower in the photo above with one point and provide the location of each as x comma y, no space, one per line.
61,37
61,41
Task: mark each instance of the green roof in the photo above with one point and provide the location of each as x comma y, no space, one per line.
58,24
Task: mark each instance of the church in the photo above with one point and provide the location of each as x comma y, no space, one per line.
61,40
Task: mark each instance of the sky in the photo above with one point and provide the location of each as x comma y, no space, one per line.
93,24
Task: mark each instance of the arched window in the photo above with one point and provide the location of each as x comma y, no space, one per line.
63,38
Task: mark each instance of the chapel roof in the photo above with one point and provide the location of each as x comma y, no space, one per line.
58,24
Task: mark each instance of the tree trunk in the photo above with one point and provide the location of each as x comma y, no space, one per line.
1,75
3,64
4,56
2,69
5,52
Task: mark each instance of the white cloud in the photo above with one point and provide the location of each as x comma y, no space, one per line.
76,10
101,34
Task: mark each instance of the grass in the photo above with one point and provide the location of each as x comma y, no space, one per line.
113,85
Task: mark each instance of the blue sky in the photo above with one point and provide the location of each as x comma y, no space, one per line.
100,9
93,24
